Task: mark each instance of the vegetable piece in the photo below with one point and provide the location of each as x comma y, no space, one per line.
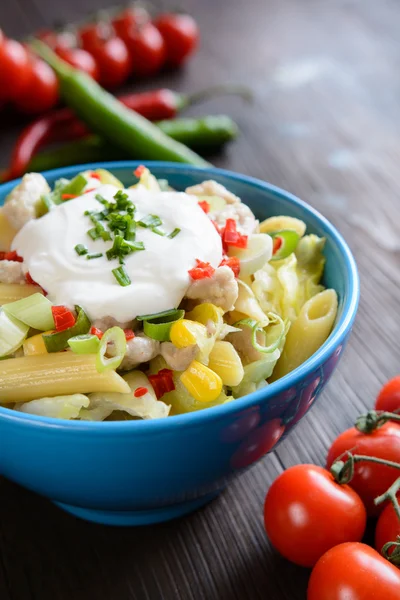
80,59
41,91
254,257
180,34
283,222
10,292
389,396
105,114
107,177
205,312
255,373
34,311
7,232
146,49
284,243
371,481
247,304
45,375
303,500
202,134
201,382
35,345
162,382
97,332
388,530
233,262
12,333
356,570
15,70
58,341
159,328
277,335
113,61
114,337
202,270
232,237
121,276
84,344
63,318
225,361
58,407
76,186
131,17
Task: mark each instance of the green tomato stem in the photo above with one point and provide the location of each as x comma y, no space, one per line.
373,419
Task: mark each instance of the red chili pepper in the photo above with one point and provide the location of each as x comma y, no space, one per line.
233,263
201,270
68,196
129,334
232,237
140,391
138,172
97,332
63,318
12,255
277,243
90,190
162,382
94,175
204,205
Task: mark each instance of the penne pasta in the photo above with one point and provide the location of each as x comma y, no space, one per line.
10,292
7,232
308,332
55,374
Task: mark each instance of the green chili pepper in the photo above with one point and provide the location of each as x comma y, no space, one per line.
106,115
206,133
285,242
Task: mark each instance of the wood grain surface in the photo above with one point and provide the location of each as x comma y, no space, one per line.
325,125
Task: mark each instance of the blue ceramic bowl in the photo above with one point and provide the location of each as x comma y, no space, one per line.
139,472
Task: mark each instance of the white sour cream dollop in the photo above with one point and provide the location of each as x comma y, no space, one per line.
159,274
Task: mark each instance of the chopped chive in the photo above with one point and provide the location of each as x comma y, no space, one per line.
174,233
150,221
102,200
105,235
95,255
81,249
93,233
121,276
158,231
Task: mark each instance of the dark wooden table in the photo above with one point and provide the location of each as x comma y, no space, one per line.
325,125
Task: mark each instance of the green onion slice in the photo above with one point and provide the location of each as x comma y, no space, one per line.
174,233
12,333
159,328
84,344
55,342
150,221
121,276
34,311
80,249
172,312
256,327
288,242
116,338
75,186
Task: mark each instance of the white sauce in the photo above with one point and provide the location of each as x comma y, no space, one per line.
159,274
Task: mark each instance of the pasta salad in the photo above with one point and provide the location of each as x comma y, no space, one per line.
145,302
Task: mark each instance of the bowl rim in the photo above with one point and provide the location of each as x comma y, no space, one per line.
195,418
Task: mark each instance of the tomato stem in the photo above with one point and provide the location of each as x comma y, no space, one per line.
373,419
343,470
391,550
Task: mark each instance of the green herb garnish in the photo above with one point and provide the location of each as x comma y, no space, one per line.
150,221
174,233
95,255
81,249
121,276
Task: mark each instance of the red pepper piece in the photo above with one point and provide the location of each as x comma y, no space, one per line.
162,382
233,263
129,334
97,332
232,237
12,255
201,270
63,318
89,190
68,196
140,391
276,244
138,172
204,205
94,175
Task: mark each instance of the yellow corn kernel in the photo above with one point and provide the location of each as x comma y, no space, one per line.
35,345
282,222
185,333
203,313
7,232
202,383
225,361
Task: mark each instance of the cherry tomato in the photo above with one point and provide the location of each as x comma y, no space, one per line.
132,17
181,36
353,572
389,396
15,69
113,60
370,480
306,513
41,92
82,60
57,39
93,34
258,443
146,48
387,528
